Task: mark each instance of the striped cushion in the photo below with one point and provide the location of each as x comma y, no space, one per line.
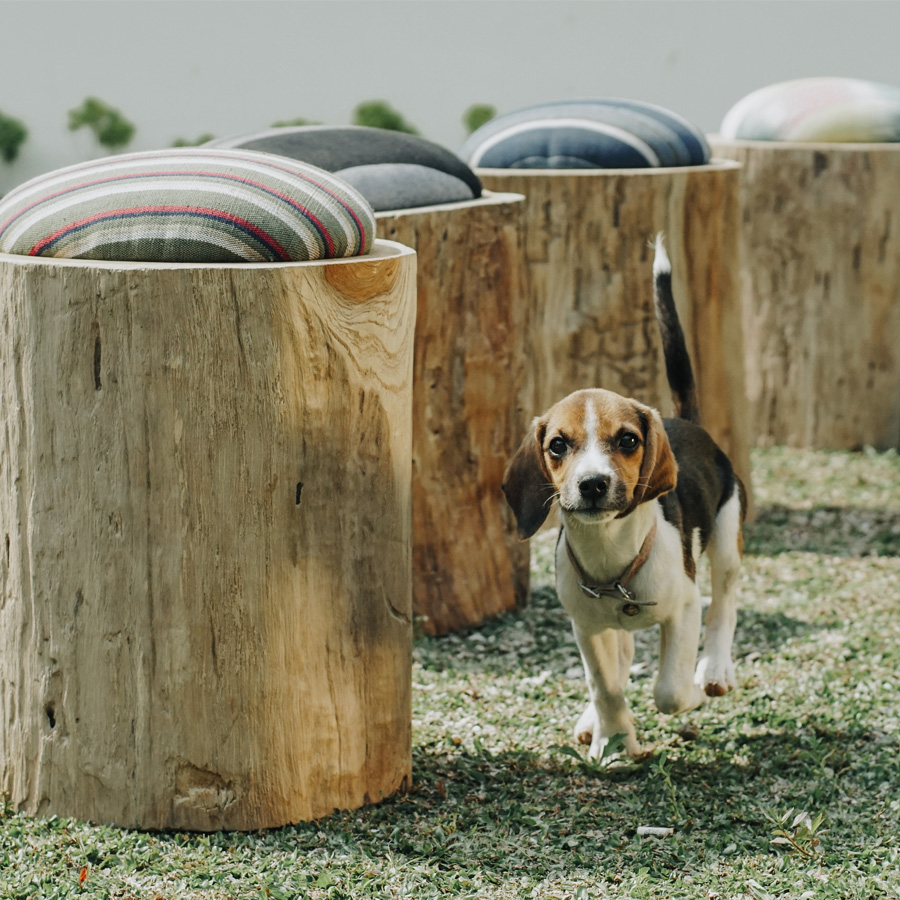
390,169
191,205
587,134
817,109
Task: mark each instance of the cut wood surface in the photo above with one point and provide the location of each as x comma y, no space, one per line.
468,398
821,289
590,319
205,515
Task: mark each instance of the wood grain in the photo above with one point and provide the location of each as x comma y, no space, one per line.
205,514
590,289
468,399
821,279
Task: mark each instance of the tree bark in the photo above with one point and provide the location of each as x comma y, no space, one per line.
468,401
821,279
205,515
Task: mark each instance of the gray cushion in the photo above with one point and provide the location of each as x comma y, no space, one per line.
403,185
339,149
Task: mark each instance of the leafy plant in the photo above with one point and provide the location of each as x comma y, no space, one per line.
12,135
798,832
477,115
186,142
293,123
380,114
611,753
111,129
663,771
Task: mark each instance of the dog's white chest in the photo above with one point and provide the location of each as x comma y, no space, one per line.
656,591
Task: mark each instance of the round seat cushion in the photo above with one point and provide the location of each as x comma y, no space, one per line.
187,205
817,109
587,134
392,170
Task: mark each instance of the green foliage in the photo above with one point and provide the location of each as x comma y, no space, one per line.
187,142
111,129
12,135
477,115
294,123
797,832
380,114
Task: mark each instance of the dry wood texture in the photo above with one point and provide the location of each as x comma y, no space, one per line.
590,319
468,397
821,288
205,515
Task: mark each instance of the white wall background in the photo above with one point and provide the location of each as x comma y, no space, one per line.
181,69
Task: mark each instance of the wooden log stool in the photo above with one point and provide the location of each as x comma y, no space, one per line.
468,406
601,178
468,396
590,317
820,286
820,199
205,518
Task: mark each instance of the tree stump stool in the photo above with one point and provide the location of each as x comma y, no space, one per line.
205,515
468,406
590,318
821,282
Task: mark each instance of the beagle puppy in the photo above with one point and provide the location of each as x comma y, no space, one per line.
640,498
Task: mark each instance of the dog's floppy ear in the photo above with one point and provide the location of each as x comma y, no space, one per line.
527,485
659,470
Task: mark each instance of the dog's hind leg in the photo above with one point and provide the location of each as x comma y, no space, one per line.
715,670
607,657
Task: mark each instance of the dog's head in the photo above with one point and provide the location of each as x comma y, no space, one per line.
598,453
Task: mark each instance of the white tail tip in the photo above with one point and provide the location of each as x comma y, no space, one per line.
661,263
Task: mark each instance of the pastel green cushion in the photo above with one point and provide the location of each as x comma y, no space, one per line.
817,109
187,205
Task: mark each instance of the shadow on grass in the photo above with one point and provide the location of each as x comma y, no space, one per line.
765,632
519,813
829,530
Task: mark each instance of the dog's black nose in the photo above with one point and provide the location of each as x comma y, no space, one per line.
595,487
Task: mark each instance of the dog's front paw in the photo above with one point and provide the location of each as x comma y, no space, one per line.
626,743
588,731
715,676
586,725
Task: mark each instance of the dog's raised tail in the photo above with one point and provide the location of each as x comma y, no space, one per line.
679,371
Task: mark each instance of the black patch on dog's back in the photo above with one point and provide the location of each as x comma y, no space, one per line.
706,481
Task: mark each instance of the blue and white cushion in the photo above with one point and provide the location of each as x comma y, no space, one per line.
587,134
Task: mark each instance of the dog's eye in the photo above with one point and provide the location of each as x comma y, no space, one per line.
628,441
557,447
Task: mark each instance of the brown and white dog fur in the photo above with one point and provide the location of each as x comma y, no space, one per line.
615,467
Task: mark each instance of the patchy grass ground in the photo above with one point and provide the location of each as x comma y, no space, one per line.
789,787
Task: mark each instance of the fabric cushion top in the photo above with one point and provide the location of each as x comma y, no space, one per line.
187,205
440,176
579,134
817,109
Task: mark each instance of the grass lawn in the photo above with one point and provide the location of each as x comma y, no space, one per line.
788,787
